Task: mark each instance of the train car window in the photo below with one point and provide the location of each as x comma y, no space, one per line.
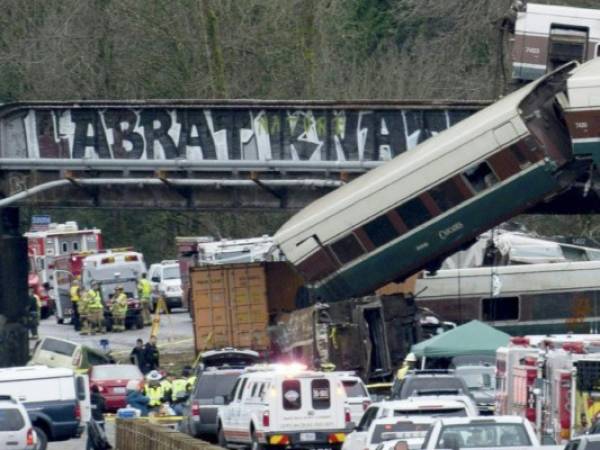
380,231
347,249
521,156
480,177
446,195
413,213
500,308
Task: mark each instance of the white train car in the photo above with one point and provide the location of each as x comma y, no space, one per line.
548,36
425,204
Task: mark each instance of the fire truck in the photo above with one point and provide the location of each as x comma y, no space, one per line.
55,256
554,381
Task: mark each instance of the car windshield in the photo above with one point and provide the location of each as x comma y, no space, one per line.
211,386
483,435
354,388
478,380
11,419
416,430
430,385
431,411
60,347
171,273
114,372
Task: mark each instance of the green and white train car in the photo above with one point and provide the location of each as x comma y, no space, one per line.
425,204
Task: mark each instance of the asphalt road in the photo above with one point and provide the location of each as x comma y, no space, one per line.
175,336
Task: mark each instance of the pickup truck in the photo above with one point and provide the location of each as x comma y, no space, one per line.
56,399
481,432
584,442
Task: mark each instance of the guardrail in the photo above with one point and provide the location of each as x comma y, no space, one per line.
135,434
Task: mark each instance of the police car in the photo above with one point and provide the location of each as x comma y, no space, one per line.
285,406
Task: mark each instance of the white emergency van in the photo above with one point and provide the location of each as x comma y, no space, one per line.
285,406
112,265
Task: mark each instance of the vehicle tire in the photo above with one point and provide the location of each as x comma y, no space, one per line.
221,441
60,321
255,444
42,438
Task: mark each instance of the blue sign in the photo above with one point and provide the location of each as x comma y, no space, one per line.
41,222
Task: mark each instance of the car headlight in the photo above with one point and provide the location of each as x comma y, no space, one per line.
172,289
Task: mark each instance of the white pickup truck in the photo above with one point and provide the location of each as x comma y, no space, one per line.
482,433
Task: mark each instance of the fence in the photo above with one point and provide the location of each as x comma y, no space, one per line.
144,435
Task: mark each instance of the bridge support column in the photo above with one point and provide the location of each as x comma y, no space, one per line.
14,339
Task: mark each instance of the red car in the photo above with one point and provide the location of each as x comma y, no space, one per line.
112,380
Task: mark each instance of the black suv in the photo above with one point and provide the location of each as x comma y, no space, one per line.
211,390
429,382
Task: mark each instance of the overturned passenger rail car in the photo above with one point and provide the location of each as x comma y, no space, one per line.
425,204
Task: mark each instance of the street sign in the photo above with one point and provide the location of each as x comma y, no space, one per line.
40,223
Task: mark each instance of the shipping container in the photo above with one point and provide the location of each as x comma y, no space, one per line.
233,305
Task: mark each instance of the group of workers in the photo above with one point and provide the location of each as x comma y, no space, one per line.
88,308
162,395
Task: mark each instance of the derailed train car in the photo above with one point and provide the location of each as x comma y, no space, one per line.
425,204
369,335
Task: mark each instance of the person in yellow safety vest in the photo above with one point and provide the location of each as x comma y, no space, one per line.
145,294
35,312
84,317
95,308
408,364
179,394
186,373
75,294
118,308
167,386
153,390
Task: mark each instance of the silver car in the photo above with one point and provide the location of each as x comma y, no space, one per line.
16,432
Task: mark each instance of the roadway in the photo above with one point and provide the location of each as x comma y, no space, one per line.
175,336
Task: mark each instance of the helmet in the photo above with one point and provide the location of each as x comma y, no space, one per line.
410,358
154,375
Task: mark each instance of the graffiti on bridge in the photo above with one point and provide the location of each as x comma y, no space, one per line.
220,134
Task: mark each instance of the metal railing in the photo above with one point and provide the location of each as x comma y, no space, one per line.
137,434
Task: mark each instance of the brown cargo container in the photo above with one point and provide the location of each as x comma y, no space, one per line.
232,304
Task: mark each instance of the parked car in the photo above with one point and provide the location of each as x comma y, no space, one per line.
380,391
165,278
56,399
56,352
228,357
485,432
16,431
357,396
111,380
480,381
417,406
584,442
429,382
285,405
410,429
211,391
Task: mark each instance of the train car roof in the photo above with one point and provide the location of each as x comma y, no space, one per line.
586,75
493,116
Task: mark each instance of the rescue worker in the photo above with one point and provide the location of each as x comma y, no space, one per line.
35,313
84,317
151,355
118,308
95,309
75,294
409,364
166,384
145,294
153,390
179,393
187,373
